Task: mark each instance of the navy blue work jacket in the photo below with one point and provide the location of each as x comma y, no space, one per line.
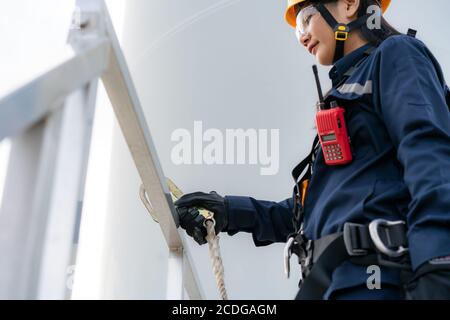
399,124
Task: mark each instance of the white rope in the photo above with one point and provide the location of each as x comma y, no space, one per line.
211,237
216,259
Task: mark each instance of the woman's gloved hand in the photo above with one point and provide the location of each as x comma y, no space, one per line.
192,221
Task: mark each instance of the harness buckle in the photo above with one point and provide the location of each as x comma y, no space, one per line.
341,32
374,227
349,234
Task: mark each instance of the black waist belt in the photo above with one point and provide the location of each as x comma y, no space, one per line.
381,242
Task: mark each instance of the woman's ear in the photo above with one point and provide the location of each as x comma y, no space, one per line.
351,8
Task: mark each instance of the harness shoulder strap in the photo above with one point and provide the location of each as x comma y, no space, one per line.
299,192
300,168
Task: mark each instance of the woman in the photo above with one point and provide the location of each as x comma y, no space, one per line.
389,205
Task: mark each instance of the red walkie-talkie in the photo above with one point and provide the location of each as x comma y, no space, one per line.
332,130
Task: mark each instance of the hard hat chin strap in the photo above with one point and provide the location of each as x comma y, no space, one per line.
341,30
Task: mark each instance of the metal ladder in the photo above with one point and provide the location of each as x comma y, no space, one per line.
49,121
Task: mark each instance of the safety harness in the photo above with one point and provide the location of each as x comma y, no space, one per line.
381,242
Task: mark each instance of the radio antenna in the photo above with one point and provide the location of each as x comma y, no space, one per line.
319,88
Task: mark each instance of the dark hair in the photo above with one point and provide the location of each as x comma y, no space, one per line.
375,36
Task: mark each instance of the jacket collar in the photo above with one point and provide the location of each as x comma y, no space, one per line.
339,69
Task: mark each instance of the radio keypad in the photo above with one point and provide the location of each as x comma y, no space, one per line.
333,152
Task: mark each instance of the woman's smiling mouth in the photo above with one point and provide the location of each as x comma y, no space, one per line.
313,47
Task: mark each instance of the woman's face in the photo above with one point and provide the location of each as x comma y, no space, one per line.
319,38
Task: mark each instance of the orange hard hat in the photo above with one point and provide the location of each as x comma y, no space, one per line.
290,11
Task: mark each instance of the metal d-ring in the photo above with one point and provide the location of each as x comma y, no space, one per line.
375,235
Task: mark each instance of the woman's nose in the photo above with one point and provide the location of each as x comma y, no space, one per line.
304,39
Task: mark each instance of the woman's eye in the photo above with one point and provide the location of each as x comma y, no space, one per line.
308,19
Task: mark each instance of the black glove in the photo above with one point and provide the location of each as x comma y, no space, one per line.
430,282
192,221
